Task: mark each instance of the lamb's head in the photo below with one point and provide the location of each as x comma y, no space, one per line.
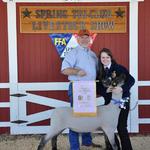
114,80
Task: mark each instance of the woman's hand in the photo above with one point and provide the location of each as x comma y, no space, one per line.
117,90
109,89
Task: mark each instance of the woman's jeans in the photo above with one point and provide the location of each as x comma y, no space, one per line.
74,136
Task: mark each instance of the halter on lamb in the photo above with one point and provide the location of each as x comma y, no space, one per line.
106,119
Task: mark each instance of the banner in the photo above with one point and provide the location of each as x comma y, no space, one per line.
70,19
65,42
84,98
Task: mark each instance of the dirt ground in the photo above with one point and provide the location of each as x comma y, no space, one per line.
30,142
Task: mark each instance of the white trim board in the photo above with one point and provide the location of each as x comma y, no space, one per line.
68,1
4,104
144,121
144,102
5,124
143,83
4,85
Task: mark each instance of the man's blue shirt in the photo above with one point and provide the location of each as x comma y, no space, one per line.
81,58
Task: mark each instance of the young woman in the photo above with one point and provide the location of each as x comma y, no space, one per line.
107,65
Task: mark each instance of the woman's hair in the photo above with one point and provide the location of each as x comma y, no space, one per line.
101,67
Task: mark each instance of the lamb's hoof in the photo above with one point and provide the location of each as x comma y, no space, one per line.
40,147
108,148
96,145
54,148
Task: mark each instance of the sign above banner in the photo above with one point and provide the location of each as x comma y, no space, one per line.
70,19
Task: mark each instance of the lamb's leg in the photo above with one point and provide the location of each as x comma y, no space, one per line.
117,142
42,144
54,143
52,133
108,145
111,138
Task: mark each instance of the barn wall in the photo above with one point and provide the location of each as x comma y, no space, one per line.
4,73
144,55
38,60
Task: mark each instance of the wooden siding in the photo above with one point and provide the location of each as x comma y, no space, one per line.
3,116
144,93
144,128
5,130
143,61
4,77
3,43
4,95
144,38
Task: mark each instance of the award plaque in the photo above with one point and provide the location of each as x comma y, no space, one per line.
84,98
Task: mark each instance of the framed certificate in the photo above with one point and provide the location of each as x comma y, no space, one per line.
84,98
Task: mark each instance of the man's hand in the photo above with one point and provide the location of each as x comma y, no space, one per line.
81,73
74,71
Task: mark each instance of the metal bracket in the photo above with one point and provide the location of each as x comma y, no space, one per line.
19,121
18,95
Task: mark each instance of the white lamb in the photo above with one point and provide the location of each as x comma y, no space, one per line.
106,120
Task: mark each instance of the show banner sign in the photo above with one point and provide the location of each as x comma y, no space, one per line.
70,19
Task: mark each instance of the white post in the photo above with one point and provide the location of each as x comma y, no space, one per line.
133,64
13,70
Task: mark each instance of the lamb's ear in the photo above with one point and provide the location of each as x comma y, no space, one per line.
123,76
113,75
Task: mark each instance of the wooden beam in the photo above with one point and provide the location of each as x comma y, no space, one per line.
64,1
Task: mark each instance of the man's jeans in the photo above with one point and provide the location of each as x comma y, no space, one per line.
74,136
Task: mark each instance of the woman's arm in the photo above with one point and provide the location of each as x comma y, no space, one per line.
129,82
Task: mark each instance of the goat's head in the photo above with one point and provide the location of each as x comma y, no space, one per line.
114,80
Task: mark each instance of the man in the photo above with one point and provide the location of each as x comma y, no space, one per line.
80,64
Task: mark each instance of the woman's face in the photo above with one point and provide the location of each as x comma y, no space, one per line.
105,59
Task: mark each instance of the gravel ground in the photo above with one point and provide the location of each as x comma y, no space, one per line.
30,142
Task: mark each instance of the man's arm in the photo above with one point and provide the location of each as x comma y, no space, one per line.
73,71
